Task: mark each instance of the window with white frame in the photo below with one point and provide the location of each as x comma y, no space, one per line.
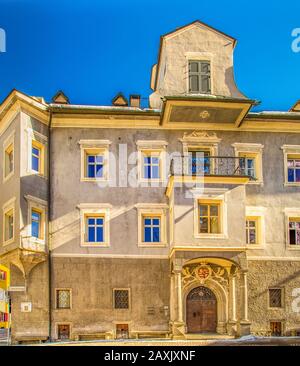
294,231
94,160
152,224
151,160
251,230
95,224
37,157
8,211
8,225
8,157
199,77
250,160
37,209
291,154
255,225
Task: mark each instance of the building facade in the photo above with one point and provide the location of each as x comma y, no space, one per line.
169,221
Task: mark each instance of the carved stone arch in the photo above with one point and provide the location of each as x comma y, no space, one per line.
222,301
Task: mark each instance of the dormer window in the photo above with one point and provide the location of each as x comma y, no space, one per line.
199,77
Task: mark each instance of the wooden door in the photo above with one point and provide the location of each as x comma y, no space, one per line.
122,331
201,311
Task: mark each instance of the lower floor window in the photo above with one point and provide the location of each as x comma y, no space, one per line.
251,231
275,298
63,299
209,218
121,299
94,229
63,331
151,229
294,231
36,224
9,225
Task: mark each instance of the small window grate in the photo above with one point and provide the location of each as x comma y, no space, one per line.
121,299
63,299
275,300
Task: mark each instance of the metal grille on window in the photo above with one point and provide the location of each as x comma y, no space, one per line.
275,298
121,299
63,299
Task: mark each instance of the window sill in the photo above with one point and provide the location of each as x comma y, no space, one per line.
8,242
293,247
95,245
291,184
255,246
94,180
256,182
211,236
5,179
153,245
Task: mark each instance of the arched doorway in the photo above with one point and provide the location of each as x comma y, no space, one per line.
201,311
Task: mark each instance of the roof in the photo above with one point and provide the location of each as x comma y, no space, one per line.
182,28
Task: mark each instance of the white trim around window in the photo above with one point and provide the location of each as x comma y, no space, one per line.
38,205
40,142
292,151
152,210
94,147
254,151
211,195
9,209
257,214
152,148
8,145
95,210
289,214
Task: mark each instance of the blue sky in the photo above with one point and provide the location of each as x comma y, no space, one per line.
93,49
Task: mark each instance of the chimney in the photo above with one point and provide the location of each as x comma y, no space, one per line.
135,100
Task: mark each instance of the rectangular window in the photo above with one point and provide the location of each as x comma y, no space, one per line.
63,299
199,162
9,225
121,299
247,165
251,231
94,229
293,166
36,159
275,298
209,218
199,77
151,229
9,160
36,231
294,231
63,331
2,275
151,167
94,166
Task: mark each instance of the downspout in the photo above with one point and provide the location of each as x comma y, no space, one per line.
49,234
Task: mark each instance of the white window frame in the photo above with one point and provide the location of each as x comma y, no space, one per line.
102,210
40,206
200,56
219,196
157,148
256,150
41,142
258,213
10,140
289,150
100,147
154,210
290,213
6,208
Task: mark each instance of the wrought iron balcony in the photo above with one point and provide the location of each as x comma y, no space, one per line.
222,166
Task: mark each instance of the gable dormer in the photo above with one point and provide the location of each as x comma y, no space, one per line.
194,59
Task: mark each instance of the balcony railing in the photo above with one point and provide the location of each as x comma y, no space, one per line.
210,166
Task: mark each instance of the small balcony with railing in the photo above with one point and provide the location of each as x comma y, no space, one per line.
211,169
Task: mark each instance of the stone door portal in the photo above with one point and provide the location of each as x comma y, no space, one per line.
201,311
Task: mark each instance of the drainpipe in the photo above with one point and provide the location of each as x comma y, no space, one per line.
49,218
